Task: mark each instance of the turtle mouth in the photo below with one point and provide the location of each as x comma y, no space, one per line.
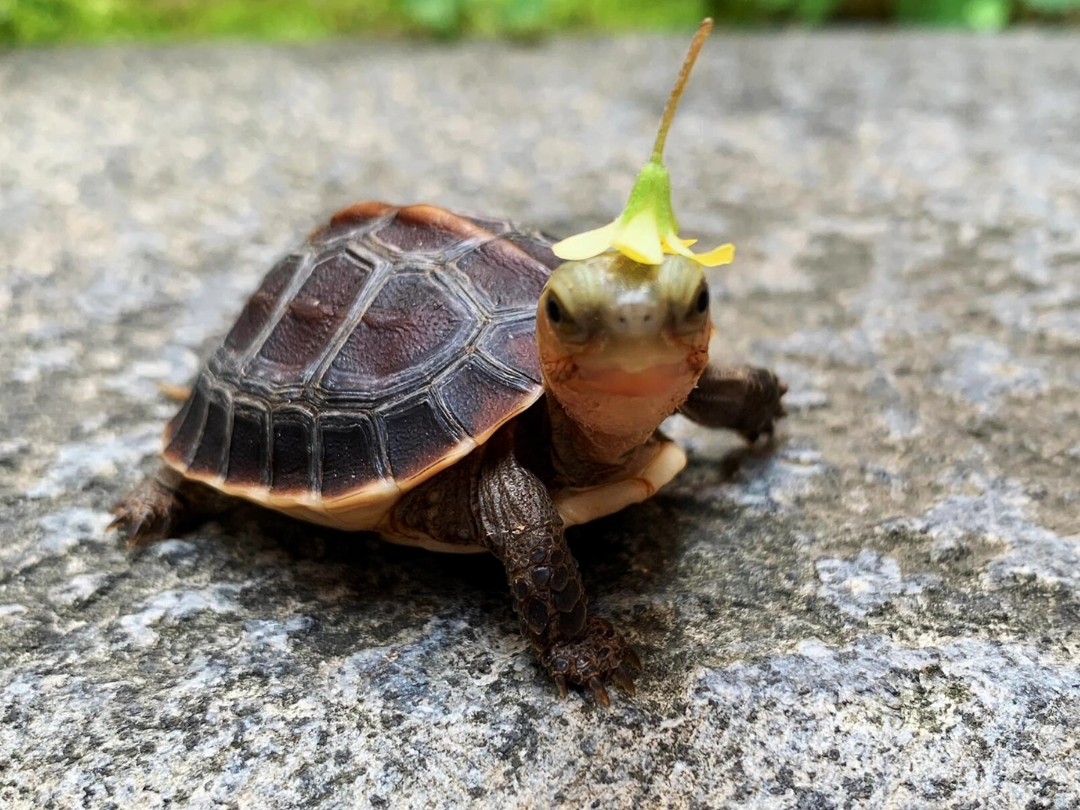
618,380
638,368
620,391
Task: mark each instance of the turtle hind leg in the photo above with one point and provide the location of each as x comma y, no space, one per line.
160,506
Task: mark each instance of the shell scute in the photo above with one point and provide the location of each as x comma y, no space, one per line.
412,325
537,247
478,396
348,221
352,453
249,448
209,458
256,314
508,277
291,451
416,434
416,235
513,345
492,225
184,433
313,316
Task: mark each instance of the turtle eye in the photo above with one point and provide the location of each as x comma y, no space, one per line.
554,310
696,313
701,305
565,325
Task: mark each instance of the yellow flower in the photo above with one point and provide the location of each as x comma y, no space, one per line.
646,229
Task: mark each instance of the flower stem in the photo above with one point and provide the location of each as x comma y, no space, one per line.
680,84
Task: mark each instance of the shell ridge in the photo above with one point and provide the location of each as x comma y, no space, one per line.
226,443
522,316
298,280
501,374
357,310
253,403
381,269
186,440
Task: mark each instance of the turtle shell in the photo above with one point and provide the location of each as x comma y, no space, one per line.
386,348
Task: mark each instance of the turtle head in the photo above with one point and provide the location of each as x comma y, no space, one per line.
622,343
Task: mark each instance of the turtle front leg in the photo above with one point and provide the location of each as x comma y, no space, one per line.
740,398
491,499
523,529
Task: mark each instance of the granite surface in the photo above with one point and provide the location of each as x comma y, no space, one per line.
881,612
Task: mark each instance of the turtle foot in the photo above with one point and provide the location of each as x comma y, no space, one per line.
766,408
599,657
151,512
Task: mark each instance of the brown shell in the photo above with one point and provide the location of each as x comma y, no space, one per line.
384,349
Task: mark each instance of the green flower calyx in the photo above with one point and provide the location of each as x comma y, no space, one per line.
647,228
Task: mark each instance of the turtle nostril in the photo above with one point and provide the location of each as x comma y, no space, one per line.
636,319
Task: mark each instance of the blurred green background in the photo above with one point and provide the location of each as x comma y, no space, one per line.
37,22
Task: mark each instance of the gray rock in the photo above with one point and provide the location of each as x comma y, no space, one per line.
882,612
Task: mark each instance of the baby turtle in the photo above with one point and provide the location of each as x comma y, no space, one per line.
448,382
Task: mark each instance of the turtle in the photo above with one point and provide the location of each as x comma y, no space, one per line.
450,382
446,381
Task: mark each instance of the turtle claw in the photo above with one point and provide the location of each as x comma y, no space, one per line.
139,523
764,407
599,692
560,682
624,680
598,657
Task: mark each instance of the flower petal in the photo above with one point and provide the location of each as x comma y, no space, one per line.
680,246
586,245
639,239
673,244
725,254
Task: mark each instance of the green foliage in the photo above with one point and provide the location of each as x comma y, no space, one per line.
40,20
981,15
439,16
987,15
533,17
494,17
811,12
30,22
1054,6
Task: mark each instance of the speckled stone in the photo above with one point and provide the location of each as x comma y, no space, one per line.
883,612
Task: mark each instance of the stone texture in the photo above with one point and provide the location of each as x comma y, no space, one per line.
882,612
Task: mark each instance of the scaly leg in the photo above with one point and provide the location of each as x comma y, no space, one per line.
740,398
491,499
161,505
